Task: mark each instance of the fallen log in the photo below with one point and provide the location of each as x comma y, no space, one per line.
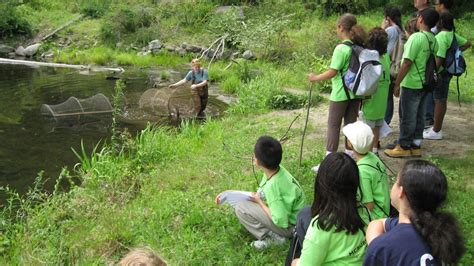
80,67
62,27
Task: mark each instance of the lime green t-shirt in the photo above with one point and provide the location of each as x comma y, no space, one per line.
340,62
284,197
444,40
374,108
332,248
374,185
417,50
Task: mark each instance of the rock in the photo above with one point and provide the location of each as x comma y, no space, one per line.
31,50
209,54
239,11
184,45
154,45
194,49
20,51
180,51
5,49
248,55
144,53
170,48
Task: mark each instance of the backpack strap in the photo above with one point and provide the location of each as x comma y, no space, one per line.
383,173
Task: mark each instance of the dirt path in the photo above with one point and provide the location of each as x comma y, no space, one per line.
458,132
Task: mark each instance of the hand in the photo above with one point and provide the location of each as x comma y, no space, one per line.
396,90
193,87
172,86
312,77
218,199
385,24
255,197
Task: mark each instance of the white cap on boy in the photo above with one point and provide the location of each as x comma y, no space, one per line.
360,135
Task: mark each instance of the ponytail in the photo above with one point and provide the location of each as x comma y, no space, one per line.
441,232
358,35
349,23
426,189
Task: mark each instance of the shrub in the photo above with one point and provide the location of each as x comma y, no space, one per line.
12,21
94,8
288,101
231,84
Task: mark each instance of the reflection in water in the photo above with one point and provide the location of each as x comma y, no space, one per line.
31,142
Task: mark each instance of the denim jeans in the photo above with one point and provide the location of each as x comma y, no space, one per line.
389,110
412,121
429,117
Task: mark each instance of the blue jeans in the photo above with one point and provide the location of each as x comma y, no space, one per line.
429,109
389,110
412,121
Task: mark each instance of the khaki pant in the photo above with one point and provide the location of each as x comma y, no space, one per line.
337,111
257,222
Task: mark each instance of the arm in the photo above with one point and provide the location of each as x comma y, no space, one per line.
375,229
370,206
256,198
179,83
401,75
199,85
328,74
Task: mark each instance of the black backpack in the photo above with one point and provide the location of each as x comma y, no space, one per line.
431,71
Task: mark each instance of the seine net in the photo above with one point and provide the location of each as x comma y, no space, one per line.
97,104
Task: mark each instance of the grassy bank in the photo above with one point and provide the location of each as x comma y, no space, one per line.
158,189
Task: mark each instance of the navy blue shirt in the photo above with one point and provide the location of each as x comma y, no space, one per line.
401,244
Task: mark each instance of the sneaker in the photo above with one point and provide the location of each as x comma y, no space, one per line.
398,152
431,134
271,239
416,151
428,124
315,169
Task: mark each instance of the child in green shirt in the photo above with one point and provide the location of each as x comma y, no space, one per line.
440,94
373,176
342,104
270,213
373,109
335,235
410,79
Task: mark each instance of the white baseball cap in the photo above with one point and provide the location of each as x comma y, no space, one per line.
360,135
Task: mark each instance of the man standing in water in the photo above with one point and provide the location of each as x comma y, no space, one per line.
199,80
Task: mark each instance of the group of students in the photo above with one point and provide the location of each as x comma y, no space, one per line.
351,221
355,218
404,69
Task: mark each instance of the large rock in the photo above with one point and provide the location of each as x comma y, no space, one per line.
28,51
237,9
248,55
154,45
20,51
5,49
170,48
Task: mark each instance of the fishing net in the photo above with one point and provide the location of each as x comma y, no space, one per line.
97,104
163,102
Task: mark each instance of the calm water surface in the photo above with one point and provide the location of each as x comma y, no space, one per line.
29,143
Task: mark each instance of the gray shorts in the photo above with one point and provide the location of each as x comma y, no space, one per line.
373,123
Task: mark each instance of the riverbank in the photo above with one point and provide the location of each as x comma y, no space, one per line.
158,189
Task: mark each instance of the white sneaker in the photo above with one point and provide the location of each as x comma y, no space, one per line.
430,134
271,239
315,169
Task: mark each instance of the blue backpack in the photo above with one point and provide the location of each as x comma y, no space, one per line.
454,63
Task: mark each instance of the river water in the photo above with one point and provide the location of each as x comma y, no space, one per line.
30,143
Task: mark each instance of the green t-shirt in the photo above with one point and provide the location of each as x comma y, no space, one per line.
340,62
374,185
332,248
284,197
374,108
417,50
444,40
